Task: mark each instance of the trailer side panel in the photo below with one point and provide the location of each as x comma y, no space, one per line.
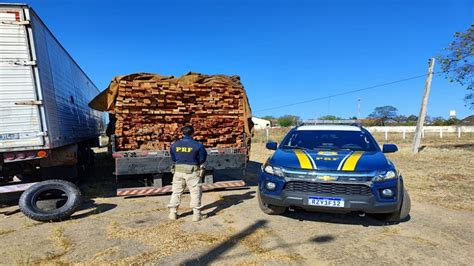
67,90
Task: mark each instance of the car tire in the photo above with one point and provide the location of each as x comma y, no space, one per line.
268,208
400,215
29,199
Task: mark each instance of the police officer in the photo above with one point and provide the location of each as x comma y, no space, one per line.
188,157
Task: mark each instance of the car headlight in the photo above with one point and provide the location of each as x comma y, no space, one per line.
273,170
384,176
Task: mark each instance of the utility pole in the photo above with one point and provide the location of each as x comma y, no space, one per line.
424,105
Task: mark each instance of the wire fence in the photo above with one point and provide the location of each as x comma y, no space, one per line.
431,134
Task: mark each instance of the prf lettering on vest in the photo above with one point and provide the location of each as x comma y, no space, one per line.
184,149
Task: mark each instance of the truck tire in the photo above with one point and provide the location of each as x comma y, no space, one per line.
50,189
399,215
268,208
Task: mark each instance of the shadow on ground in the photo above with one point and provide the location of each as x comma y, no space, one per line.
9,199
223,203
219,251
469,147
337,218
92,208
216,252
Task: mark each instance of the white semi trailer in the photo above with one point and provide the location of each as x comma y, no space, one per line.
46,125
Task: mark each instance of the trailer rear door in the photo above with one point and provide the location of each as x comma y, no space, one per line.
20,121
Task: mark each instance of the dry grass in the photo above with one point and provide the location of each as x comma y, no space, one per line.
274,134
161,244
385,232
20,256
59,239
249,263
102,256
255,244
424,241
6,231
441,176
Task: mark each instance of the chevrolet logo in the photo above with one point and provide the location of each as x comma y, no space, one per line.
327,178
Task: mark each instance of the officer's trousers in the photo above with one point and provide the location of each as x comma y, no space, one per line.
193,182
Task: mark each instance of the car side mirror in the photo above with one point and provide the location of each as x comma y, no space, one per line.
271,145
389,148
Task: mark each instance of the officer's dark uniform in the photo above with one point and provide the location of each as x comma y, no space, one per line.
188,151
188,155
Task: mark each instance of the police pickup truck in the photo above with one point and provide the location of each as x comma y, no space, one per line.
333,168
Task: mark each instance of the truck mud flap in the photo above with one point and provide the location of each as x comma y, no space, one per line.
147,191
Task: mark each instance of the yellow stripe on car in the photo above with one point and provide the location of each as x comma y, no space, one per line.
305,163
351,162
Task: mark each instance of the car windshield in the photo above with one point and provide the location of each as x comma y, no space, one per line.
329,140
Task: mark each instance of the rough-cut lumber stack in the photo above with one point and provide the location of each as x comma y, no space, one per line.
151,109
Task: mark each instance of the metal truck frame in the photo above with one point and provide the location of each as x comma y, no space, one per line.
158,163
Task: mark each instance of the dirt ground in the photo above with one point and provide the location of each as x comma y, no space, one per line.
135,230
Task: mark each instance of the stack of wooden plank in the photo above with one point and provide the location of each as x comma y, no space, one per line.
150,110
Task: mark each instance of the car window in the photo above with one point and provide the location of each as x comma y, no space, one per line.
325,139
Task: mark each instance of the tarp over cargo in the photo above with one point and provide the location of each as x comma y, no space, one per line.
163,92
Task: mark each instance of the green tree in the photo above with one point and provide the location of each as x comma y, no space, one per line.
273,120
458,62
401,119
412,118
438,121
330,117
288,120
383,113
268,117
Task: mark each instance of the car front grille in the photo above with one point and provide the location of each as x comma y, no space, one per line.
328,188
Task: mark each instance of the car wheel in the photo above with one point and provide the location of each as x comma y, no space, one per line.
268,208
50,201
399,215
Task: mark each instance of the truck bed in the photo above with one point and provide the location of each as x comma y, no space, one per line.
139,162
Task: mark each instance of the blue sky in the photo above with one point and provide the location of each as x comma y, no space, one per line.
284,51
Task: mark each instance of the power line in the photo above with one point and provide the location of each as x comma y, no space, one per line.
342,93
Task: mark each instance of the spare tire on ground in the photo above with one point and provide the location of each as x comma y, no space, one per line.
50,200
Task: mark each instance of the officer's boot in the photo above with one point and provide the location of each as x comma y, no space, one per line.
197,215
173,215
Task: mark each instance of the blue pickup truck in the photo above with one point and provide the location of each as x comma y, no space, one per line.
333,168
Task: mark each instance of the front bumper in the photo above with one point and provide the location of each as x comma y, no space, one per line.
371,203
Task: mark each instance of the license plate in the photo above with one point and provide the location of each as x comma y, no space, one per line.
326,202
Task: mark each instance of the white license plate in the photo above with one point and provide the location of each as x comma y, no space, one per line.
326,202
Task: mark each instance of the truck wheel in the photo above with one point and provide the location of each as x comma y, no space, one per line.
268,208
399,215
50,200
